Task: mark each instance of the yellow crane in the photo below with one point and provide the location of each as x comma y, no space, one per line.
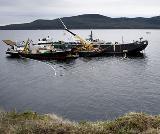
26,47
86,45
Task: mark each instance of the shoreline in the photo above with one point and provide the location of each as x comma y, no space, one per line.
33,123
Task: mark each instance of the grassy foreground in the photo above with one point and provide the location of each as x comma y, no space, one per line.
33,123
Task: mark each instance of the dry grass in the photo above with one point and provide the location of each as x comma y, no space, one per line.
33,123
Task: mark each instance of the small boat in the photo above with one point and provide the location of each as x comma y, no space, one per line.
72,56
46,56
12,53
90,53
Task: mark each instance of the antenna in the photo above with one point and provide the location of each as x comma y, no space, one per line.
63,23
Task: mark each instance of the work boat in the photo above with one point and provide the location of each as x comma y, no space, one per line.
42,52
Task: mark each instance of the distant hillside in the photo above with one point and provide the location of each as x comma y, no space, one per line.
89,21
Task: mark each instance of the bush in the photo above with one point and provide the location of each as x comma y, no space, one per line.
33,123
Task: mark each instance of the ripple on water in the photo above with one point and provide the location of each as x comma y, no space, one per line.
85,88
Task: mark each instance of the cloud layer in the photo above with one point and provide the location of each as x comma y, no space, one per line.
19,11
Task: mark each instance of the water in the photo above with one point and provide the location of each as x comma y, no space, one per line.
86,88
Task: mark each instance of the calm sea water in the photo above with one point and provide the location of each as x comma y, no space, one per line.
86,88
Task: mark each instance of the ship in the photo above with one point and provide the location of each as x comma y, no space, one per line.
47,49
96,47
64,50
86,49
109,47
43,51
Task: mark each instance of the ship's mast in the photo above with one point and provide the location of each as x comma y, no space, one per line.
91,36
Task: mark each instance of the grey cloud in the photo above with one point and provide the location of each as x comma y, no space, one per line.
18,11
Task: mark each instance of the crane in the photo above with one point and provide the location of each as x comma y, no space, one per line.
86,45
26,47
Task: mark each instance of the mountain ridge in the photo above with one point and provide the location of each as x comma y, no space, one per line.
89,21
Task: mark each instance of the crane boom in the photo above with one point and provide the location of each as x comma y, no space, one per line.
63,23
26,46
83,42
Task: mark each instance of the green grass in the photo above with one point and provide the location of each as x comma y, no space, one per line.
33,123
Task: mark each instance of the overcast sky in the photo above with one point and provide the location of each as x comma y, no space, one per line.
19,11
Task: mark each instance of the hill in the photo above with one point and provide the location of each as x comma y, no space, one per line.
89,21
